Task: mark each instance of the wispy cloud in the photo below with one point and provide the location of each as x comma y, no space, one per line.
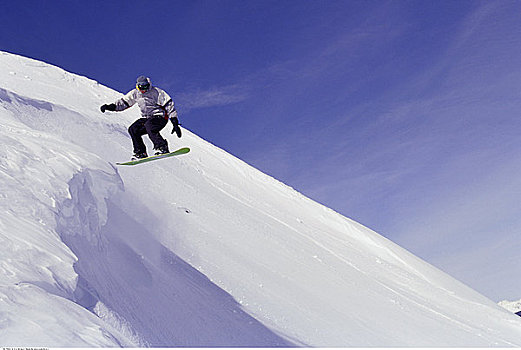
303,70
212,97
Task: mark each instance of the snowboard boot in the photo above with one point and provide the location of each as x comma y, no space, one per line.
162,150
139,155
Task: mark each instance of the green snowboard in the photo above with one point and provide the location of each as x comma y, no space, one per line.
159,156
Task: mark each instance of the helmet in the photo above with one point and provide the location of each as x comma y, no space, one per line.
143,83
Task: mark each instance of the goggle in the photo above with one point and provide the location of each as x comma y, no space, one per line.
143,87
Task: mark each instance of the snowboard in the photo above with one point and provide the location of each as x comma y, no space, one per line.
159,156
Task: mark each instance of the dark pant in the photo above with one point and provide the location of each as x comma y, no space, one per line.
152,127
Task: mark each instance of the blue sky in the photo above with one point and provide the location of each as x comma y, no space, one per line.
402,115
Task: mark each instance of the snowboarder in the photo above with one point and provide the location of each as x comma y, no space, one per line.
156,109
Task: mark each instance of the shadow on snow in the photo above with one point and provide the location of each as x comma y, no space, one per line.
164,300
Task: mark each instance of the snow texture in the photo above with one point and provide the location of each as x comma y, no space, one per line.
196,250
512,306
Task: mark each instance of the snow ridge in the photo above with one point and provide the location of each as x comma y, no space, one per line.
121,269
198,250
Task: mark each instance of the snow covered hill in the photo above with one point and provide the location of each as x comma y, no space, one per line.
198,250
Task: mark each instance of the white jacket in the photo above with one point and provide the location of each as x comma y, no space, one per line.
152,103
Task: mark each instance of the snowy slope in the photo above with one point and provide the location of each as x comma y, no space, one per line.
198,250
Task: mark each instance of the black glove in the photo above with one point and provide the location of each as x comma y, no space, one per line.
176,129
111,107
